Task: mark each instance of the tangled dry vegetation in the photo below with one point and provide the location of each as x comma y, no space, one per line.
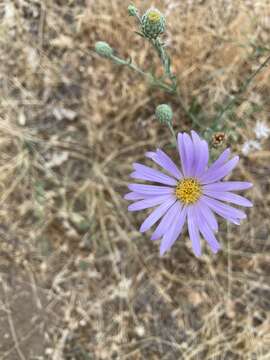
77,280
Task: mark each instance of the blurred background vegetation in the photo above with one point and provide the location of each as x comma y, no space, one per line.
77,279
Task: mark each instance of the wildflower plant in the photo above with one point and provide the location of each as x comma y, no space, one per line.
151,25
194,192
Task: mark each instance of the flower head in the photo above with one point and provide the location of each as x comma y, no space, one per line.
192,194
153,23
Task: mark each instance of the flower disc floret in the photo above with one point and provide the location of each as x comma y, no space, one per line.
154,16
188,191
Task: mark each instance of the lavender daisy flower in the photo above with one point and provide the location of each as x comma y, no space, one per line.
192,195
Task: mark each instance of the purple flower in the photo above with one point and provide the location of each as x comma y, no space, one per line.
193,194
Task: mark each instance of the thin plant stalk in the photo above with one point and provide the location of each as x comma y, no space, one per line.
231,103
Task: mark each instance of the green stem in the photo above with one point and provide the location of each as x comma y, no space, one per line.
188,113
165,59
171,130
242,89
166,62
127,63
155,82
161,84
138,18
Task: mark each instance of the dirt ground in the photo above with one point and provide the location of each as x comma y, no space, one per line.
77,279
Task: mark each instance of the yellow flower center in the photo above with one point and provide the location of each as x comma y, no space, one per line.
188,190
153,16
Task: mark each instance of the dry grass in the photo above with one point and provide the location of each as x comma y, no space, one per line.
78,281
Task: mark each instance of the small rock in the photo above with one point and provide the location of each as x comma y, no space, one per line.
22,119
62,113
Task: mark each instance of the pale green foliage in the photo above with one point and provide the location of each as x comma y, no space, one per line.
151,25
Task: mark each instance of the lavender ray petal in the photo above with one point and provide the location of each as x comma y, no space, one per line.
203,159
133,196
182,153
148,203
228,186
166,221
234,221
206,231
146,173
208,216
229,197
189,154
156,215
150,154
175,230
197,143
216,174
224,210
223,157
201,155
193,231
163,160
151,189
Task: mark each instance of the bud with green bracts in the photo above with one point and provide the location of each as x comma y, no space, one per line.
132,10
103,49
164,114
153,23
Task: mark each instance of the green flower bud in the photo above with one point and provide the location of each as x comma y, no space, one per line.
164,114
153,23
132,10
103,49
